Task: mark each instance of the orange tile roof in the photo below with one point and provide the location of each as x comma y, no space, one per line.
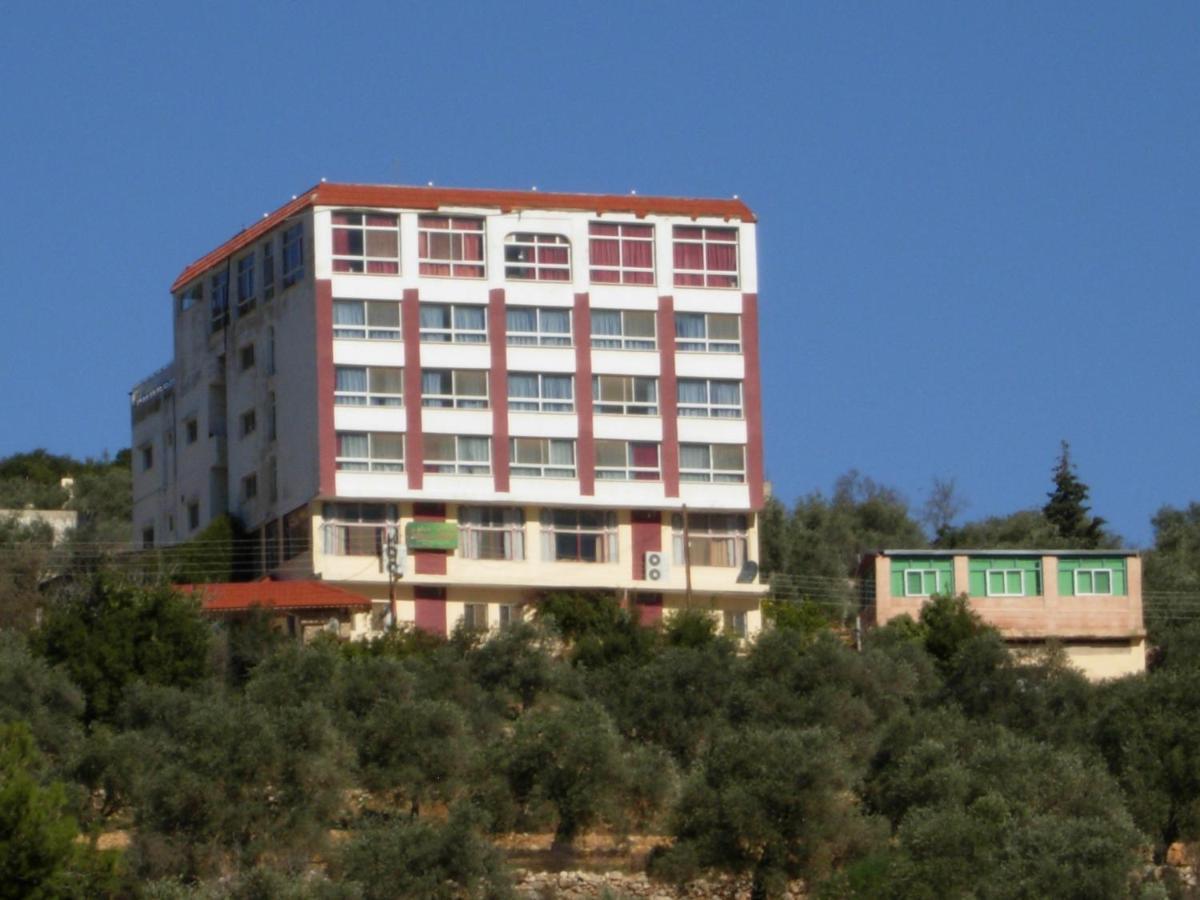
236,597
432,198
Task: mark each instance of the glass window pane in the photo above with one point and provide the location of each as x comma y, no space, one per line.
352,444
556,321
521,319
639,324
439,446
723,327
387,381
694,456
350,379
384,315
471,383
469,317
387,446
729,457
610,454
520,385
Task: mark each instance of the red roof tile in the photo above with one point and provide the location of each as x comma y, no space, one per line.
405,197
229,597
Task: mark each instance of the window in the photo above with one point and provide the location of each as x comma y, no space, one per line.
450,246
706,257
296,532
538,326
246,357
712,462
734,623
454,388
579,535
714,539
920,582
272,480
147,457
356,529
1005,583
366,242
268,268
532,392
218,301
193,514
249,422
458,454
475,617
147,537
537,257
271,350
1096,582
245,284
627,461
192,296
250,487
536,457
191,431
709,397
453,323
623,329
293,255
491,532
371,320
625,395
368,386
370,451
621,253
708,333
271,544
271,430
509,613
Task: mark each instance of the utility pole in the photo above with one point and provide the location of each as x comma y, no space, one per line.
394,570
687,554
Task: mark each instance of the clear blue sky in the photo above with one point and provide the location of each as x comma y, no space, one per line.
980,223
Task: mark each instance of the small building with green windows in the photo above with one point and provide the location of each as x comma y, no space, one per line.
1089,601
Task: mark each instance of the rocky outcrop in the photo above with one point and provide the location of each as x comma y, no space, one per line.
580,885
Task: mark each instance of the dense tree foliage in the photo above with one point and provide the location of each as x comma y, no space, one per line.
1066,508
930,763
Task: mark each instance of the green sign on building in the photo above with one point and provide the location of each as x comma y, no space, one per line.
431,536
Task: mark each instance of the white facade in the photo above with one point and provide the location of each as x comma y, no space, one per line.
274,434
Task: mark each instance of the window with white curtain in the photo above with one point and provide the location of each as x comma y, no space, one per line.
453,454
491,532
368,386
453,323
708,332
370,320
714,539
538,457
537,326
370,451
454,388
712,462
356,529
709,397
535,392
579,535
623,329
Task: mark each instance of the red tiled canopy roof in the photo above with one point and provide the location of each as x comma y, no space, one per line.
432,198
230,597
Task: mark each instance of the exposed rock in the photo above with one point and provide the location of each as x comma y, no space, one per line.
633,886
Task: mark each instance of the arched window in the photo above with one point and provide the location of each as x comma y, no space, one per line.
537,257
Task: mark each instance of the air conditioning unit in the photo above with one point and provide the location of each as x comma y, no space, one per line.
656,565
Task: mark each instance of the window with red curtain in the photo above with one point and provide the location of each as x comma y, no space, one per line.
450,246
366,242
643,458
621,253
705,257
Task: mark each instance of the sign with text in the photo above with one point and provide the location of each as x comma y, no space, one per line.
431,536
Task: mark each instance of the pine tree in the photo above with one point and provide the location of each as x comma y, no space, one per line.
1067,509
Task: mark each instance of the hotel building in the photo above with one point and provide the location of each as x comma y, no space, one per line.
506,392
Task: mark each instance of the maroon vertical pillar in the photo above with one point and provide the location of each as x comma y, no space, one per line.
667,396
429,613
498,388
326,437
414,446
429,562
753,400
585,446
